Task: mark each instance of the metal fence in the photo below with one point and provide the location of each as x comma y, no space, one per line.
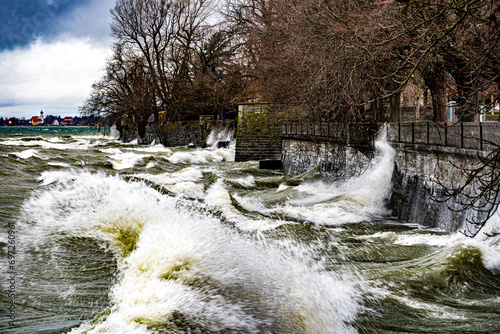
474,136
333,132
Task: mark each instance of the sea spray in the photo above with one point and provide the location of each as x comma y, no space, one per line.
114,133
222,135
183,268
356,199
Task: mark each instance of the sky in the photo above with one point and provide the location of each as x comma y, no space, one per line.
51,51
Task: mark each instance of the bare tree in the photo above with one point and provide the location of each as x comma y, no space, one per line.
163,32
219,78
309,53
480,192
126,89
448,39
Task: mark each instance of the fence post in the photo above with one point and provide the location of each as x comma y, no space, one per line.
461,134
481,136
413,133
428,133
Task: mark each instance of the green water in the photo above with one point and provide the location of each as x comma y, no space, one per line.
120,238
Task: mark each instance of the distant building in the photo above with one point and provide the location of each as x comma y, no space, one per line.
41,120
34,120
55,123
68,120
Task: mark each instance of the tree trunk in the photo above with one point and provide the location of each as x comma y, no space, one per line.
435,79
395,107
439,102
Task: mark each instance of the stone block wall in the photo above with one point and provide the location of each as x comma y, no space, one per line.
417,168
183,134
334,161
417,196
257,133
173,134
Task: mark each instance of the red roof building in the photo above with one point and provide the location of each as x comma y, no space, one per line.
68,120
34,120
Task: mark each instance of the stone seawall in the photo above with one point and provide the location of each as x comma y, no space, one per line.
333,161
173,134
414,186
417,168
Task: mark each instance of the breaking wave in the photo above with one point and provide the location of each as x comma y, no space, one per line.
182,270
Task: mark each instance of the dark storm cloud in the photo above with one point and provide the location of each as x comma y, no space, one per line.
23,21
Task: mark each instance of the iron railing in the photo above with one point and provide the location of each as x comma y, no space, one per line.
474,136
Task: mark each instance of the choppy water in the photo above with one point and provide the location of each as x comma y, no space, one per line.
120,238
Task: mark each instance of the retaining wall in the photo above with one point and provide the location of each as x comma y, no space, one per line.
425,153
333,160
415,187
171,134
473,136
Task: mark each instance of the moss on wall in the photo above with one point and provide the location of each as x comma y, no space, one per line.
258,131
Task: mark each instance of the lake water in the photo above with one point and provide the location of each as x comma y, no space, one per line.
120,238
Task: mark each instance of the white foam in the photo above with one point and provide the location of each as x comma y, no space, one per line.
489,248
187,189
151,149
189,263
202,156
77,144
189,174
27,154
282,187
59,164
55,140
151,164
50,177
111,150
491,257
430,239
246,182
218,197
125,160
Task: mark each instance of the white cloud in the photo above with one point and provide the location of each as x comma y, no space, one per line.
55,77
